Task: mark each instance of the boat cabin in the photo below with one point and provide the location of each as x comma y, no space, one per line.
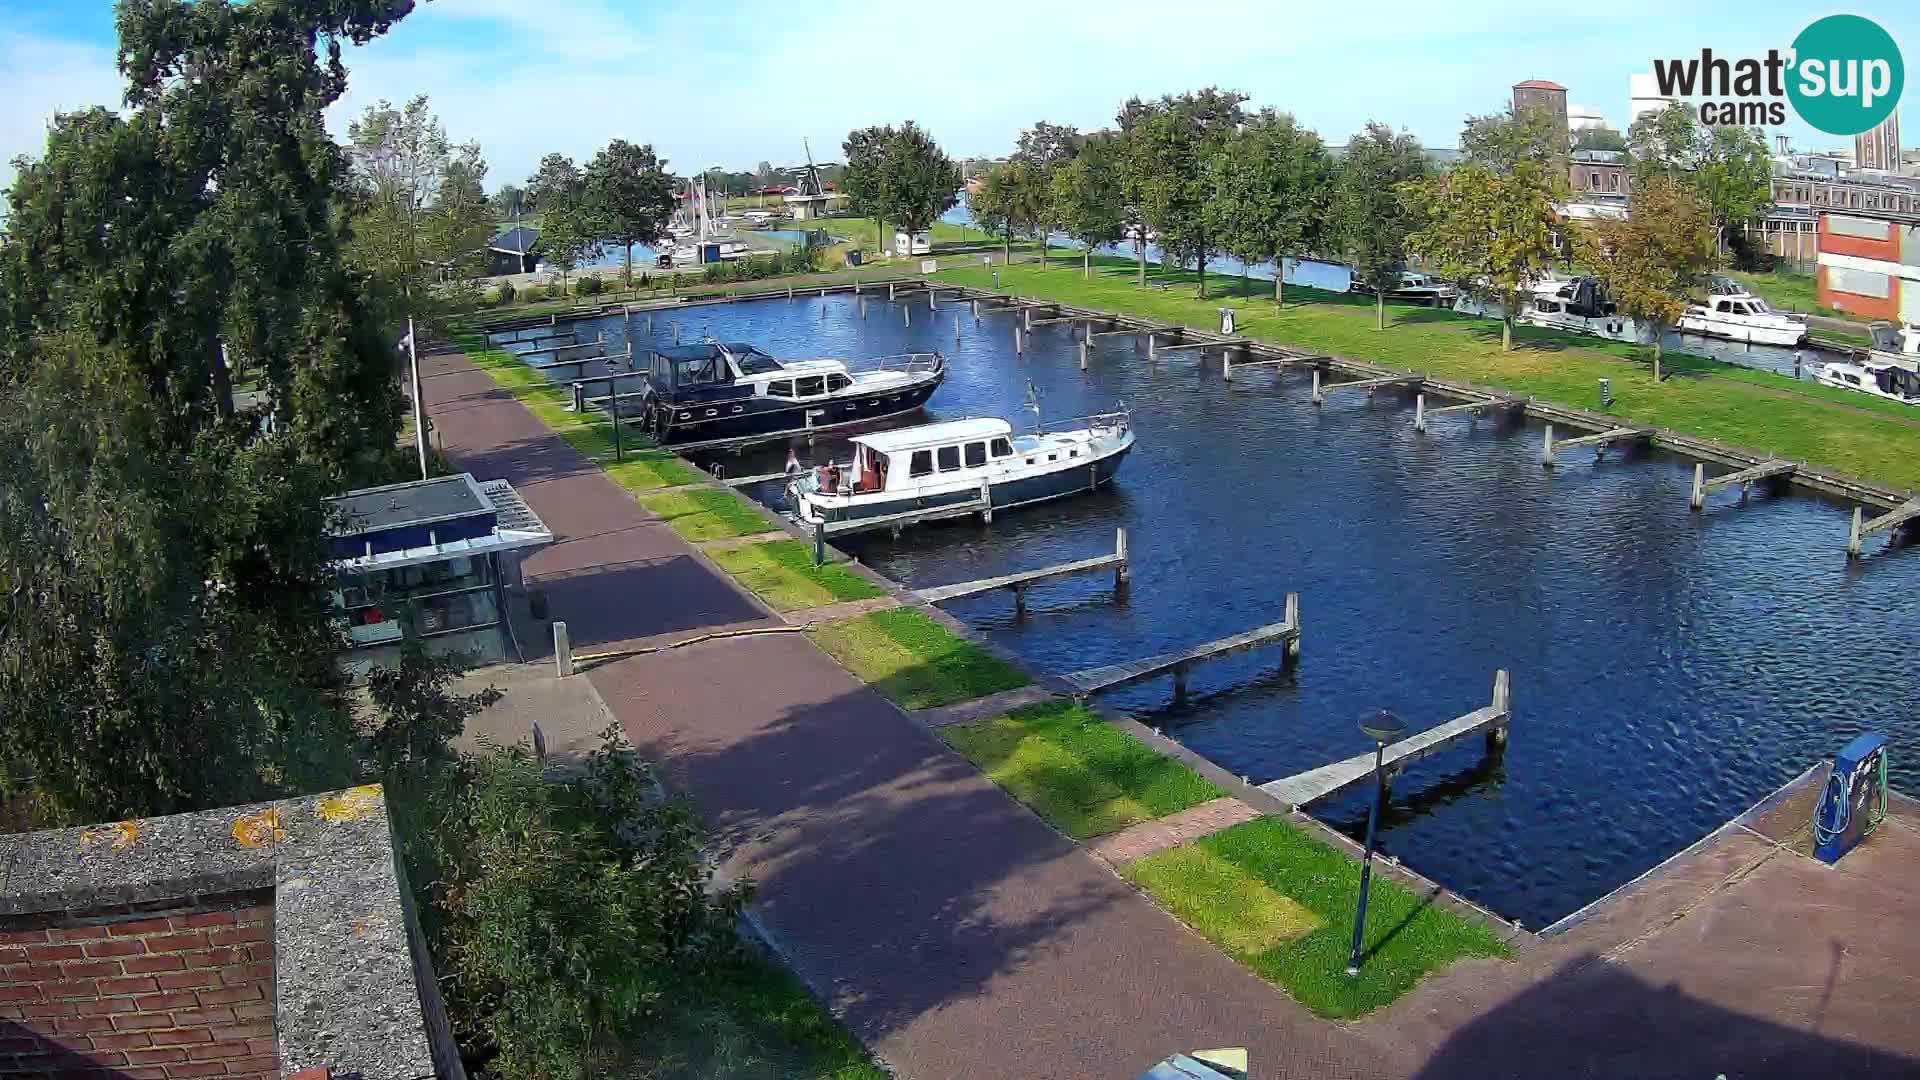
909,457
717,371
1739,304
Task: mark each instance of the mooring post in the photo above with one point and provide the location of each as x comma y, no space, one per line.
579,398
976,311
1121,573
889,291
1546,447
1020,601
613,411
1179,683
789,290
1318,398
906,314
1019,340
1853,537
820,541
1026,315
626,316
1699,497
1150,346
1226,364
649,325
1419,412
956,329
1292,618
1083,356
932,300
676,326
986,503
1497,735
562,650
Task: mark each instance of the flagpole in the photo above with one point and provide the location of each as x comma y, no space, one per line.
419,411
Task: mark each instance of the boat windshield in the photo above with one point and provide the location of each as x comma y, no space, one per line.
755,362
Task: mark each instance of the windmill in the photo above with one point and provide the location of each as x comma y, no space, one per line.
810,201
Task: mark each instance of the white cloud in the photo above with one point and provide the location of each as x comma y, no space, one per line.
41,76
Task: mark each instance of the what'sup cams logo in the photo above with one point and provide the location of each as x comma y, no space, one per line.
1843,76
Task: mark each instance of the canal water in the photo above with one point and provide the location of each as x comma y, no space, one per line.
1669,668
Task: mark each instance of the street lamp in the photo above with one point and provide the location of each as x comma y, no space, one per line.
1382,727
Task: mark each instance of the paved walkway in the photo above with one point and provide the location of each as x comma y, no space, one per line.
958,935
1142,840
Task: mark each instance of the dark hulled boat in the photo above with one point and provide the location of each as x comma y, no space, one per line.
731,392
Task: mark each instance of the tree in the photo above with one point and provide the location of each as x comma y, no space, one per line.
398,157
1728,168
632,197
510,201
993,203
1601,137
1370,219
863,180
455,233
764,176
920,182
1487,229
1503,141
1087,198
1272,183
1652,260
570,227
1170,143
1046,147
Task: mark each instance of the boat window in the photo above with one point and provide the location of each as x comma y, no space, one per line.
1720,305
755,362
1073,453
1002,448
1053,457
922,463
949,458
976,454
838,382
811,386
1854,379
782,388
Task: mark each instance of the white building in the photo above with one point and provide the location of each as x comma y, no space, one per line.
1644,90
1583,117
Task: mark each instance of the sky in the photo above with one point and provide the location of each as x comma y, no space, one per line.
741,81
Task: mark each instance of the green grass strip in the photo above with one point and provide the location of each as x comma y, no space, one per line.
1849,432
646,470
747,1018
706,513
914,661
782,573
1282,903
1082,774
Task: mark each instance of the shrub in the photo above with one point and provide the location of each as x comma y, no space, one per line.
591,285
506,293
646,281
677,281
714,271
556,289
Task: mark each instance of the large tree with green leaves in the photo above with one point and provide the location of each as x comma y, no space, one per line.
1504,140
1490,230
1728,168
1047,147
863,179
919,181
1370,219
1272,185
1088,201
1171,144
632,196
1654,259
570,223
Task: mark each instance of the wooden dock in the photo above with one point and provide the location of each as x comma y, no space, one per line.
981,504
1021,581
1112,676
1421,414
1702,487
1892,519
1321,390
1599,441
599,342
1302,788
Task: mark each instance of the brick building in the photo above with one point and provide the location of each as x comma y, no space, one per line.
251,942
1869,264
1599,173
1879,147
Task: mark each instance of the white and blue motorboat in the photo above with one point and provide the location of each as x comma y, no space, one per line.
730,393
960,465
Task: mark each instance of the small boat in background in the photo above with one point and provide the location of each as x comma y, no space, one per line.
1878,378
963,465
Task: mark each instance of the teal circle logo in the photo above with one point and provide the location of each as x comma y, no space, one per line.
1846,74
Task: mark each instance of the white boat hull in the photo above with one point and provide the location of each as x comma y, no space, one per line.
1752,334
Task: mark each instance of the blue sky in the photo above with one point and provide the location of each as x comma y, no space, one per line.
736,82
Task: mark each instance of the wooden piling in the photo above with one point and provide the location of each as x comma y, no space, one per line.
1546,447
1853,535
562,650
986,503
1083,356
1122,574
1420,412
906,314
1698,498
1318,398
1291,616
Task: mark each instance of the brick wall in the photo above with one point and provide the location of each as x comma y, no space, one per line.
186,994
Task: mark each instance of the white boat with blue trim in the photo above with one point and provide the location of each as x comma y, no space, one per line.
960,466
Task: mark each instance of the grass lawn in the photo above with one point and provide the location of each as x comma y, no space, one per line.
1282,903
914,661
782,573
860,230
645,470
1082,774
749,1020
706,513
1785,289
1852,433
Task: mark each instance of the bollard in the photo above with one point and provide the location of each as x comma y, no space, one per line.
889,292
820,542
579,398
562,650
1606,393
1083,356
1121,574
1420,412
906,314
1853,537
1318,398
1699,497
1292,618
1019,342
1546,448
986,499
1150,347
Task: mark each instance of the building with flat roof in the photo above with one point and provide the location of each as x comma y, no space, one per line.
1644,96
1879,148
430,560
1869,264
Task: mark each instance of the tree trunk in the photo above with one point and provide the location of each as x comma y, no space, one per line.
626,270
1200,265
1279,281
1380,309
1658,333
1506,332
1086,263
879,242
1140,255
1041,231
1006,256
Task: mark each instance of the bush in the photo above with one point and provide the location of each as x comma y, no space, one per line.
556,289
506,293
677,281
714,272
591,285
646,281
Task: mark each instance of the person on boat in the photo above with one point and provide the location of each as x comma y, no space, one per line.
833,476
793,463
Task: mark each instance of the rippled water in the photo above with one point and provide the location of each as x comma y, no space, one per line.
1669,668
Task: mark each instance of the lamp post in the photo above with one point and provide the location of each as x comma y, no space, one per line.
1382,727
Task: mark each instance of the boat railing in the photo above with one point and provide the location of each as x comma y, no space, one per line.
908,362
1112,420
